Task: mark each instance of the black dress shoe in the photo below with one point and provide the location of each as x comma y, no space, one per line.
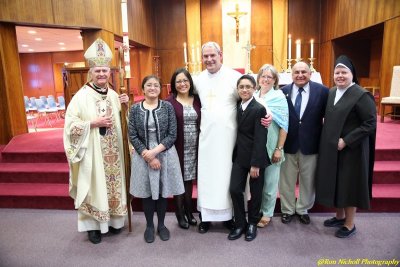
334,222
94,236
149,234
114,231
286,218
343,232
230,225
163,232
236,233
204,227
182,221
251,232
191,220
304,218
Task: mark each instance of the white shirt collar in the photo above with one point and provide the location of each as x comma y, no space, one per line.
245,104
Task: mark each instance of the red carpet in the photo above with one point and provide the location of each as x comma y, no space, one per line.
34,172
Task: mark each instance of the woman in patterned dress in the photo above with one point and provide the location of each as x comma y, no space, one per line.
187,109
155,172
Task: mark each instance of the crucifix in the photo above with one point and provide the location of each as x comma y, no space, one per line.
236,15
248,49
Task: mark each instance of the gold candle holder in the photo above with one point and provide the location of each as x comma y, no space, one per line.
312,64
289,68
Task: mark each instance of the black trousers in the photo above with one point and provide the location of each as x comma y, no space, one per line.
237,187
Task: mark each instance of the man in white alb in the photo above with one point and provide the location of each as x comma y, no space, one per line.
216,87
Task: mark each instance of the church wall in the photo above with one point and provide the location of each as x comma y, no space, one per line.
261,34
341,17
37,69
211,21
345,17
304,24
171,34
94,14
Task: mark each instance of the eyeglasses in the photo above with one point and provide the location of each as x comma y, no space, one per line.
267,77
182,81
247,87
149,85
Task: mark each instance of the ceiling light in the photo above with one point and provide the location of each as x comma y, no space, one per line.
30,50
61,43
32,32
24,45
38,39
62,48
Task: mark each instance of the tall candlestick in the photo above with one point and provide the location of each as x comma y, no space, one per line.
289,46
185,52
192,57
312,48
298,49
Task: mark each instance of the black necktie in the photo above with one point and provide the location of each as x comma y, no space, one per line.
241,109
297,103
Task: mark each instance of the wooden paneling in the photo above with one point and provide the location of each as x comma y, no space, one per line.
28,11
13,118
69,57
280,33
37,74
340,17
304,24
171,34
390,54
141,20
193,30
78,13
211,21
326,68
41,76
95,14
261,33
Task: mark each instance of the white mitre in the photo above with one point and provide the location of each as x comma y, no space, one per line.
99,54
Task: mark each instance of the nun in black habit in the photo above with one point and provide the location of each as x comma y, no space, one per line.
346,152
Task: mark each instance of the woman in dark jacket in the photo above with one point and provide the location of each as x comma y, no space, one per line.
155,171
187,109
346,155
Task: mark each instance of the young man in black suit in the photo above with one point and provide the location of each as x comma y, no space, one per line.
249,156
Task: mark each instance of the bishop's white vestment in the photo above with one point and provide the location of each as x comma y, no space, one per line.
217,138
97,176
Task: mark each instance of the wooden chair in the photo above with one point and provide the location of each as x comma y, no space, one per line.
394,99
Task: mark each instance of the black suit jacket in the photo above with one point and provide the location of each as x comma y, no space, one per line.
304,134
250,148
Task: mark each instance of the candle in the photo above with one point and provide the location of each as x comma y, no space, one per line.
289,46
312,48
193,59
298,49
198,51
184,52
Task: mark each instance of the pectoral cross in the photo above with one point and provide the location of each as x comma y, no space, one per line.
236,15
248,49
210,99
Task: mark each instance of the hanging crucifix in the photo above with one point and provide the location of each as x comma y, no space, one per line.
236,15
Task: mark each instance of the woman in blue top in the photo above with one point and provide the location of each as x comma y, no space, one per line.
270,95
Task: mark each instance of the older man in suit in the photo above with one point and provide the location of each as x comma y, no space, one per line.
306,102
249,157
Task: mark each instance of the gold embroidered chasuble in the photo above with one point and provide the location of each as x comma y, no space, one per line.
97,176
